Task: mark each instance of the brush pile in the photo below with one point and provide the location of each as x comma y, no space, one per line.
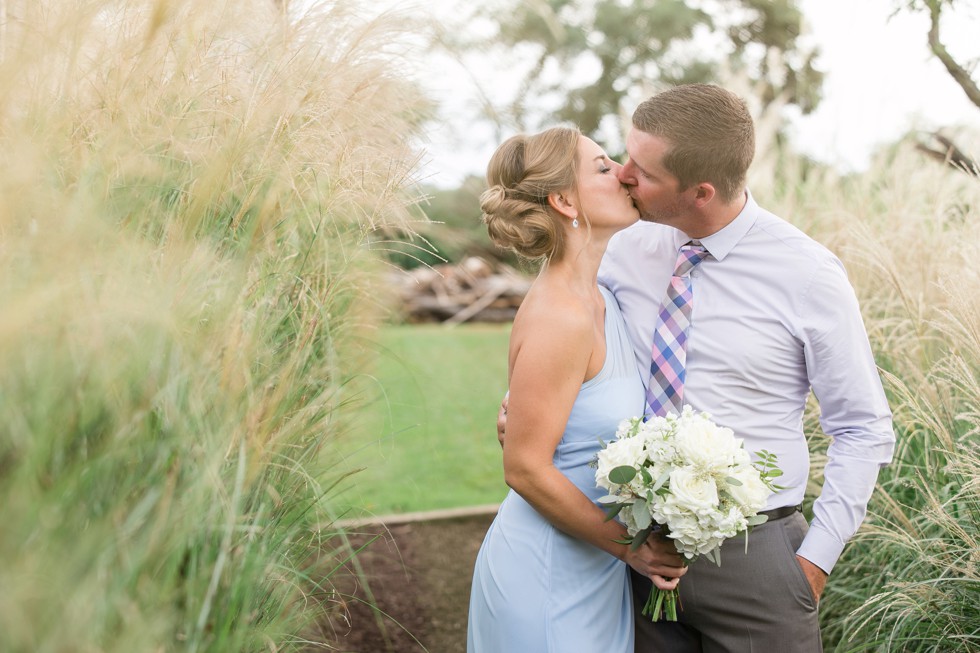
470,291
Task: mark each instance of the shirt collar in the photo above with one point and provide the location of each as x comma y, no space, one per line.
723,241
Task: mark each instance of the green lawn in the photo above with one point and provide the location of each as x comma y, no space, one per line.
426,437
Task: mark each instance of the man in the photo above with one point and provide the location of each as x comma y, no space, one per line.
773,316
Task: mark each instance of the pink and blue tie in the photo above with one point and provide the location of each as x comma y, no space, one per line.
667,370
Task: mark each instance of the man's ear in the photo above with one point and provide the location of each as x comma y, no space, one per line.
703,194
561,203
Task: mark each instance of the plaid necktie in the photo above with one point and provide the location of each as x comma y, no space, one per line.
666,391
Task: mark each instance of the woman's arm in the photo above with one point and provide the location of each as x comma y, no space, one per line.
547,372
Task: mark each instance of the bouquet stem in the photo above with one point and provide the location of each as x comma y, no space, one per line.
661,604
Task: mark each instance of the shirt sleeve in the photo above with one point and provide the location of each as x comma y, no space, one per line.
609,265
853,412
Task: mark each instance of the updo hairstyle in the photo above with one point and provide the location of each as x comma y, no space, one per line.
521,174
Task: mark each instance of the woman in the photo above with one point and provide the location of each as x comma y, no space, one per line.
550,575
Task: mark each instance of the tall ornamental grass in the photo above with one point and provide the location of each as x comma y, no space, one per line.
187,194
909,233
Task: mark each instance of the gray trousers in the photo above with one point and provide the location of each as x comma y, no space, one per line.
759,602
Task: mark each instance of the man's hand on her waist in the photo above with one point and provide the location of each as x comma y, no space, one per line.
502,419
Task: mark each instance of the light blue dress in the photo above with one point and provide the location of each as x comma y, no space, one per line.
536,589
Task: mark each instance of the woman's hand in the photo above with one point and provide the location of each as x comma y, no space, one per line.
658,560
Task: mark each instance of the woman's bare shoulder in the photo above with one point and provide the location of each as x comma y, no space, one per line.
552,323
551,309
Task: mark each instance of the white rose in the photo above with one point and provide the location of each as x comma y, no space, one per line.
751,495
628,451
693,490
704,444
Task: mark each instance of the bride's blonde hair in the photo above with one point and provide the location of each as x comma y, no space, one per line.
521,174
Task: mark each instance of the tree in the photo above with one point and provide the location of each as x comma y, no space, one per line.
632,46
940,147
452,231
960,73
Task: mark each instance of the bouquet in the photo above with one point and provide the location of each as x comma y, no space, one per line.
690,477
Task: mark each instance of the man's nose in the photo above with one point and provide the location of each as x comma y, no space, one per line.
625,174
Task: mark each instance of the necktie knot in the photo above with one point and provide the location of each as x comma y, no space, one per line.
687,258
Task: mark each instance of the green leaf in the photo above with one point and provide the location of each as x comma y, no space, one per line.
633,427
614,510
755,520
715,556
622,475
641,514
732,480
640,538
660,481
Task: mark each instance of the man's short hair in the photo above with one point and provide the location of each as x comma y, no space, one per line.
709,132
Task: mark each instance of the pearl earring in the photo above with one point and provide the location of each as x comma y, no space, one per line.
575,223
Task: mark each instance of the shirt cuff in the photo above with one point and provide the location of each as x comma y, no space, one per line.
821,548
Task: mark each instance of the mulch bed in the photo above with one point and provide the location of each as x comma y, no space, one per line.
418,576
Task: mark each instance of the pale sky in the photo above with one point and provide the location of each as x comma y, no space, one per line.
881,78
881,81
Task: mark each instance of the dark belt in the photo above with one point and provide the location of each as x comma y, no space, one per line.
780,513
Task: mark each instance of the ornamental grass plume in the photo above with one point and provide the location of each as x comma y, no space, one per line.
187,196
